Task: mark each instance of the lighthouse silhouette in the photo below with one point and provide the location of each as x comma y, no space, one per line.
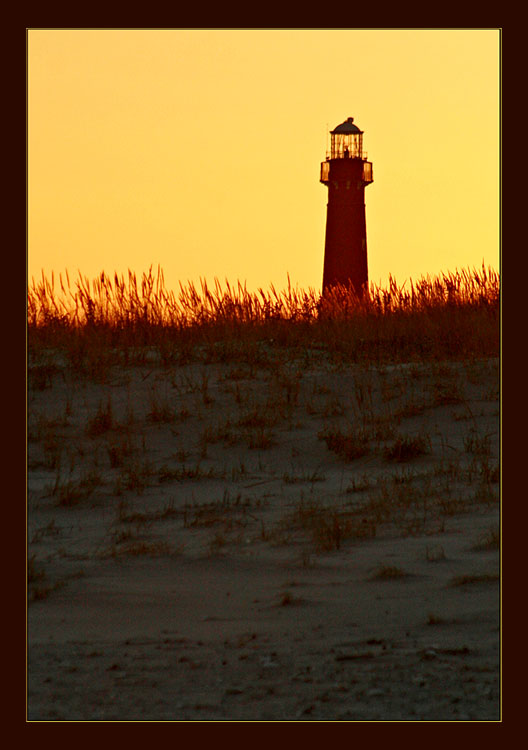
346,172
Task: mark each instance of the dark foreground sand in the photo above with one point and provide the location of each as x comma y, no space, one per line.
200,554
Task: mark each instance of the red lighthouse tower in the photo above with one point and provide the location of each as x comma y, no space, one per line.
346,173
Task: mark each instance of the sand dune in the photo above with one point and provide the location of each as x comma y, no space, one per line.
293,542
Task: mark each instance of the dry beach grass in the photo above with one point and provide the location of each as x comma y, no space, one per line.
263,507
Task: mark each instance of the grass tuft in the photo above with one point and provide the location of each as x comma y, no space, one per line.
406,448
488,540
102,421
347,446
113,320
469,579
388,573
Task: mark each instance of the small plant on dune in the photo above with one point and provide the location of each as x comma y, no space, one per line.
121,536
216,544
478,445
404,476
262,438
481,473
39,586
328,528
412,408
41,376
141,518
72,491
35,571
333,407
315,476
435,553
184,473
362,401
229,513
102,421
474,578
284,387
161,410
484,494
406,448
433,619
136,548
392,388
136,475
121,449
52,450
388,573
50,530
488,540
406,507
221,433
329,532
347,446
358,485
257,418
447,393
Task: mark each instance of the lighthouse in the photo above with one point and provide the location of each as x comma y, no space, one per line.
346,173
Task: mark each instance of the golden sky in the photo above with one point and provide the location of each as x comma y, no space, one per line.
200,150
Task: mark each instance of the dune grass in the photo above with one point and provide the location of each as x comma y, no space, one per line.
125,321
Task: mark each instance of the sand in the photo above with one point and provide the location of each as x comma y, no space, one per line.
197,552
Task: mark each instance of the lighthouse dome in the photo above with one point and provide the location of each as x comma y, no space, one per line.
347,127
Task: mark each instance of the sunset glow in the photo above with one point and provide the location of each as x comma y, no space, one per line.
199,150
